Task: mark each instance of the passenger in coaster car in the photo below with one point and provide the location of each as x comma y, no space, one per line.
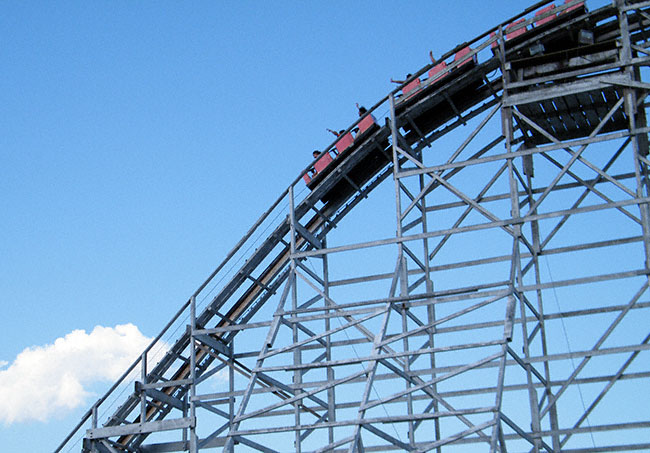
315,153
400,82
322,161
336,134
342,137
367,122
438,71
362,111
410,86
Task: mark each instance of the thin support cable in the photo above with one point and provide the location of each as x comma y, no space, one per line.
568,344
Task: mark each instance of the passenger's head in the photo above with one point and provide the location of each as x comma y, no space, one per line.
341,131
315,153
362,110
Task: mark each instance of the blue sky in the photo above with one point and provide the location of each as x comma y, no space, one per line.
140,140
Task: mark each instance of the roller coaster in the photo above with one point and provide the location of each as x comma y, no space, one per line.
514,170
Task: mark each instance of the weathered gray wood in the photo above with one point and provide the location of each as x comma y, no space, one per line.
140,428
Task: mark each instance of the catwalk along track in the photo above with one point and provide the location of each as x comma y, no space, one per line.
507,312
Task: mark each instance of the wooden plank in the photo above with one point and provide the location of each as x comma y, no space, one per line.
586,105
566,115
579,116
553,118
562,89
139,428
536,114
619,119
526,110
599,103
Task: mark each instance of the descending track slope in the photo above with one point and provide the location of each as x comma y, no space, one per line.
561,76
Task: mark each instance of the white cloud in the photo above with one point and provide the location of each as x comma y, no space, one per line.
49,380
